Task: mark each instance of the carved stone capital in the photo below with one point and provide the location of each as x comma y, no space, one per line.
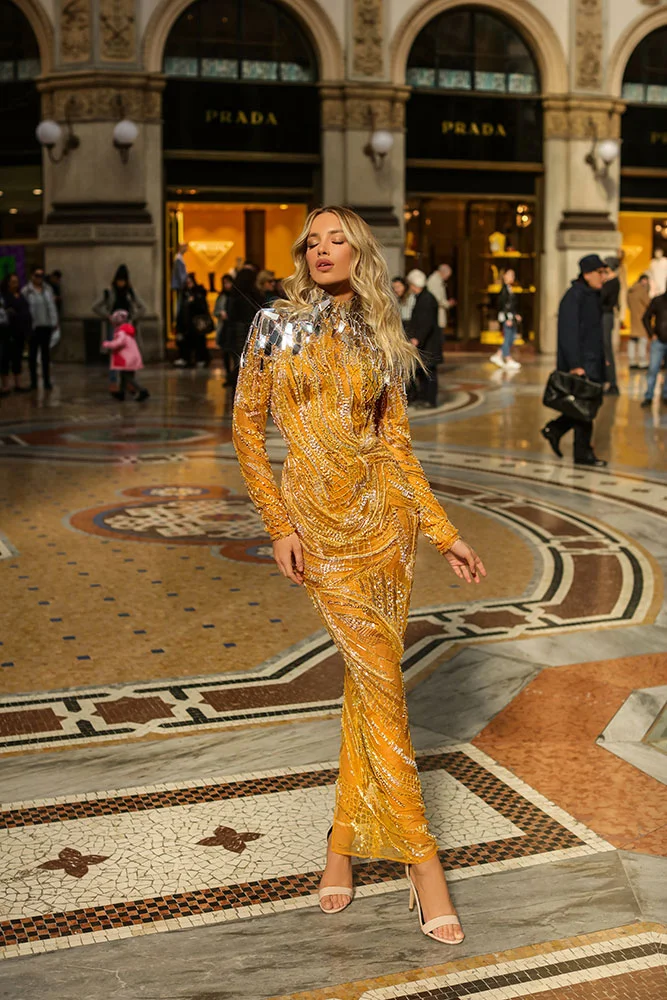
582,118
93,96
118,31
363,106
367,58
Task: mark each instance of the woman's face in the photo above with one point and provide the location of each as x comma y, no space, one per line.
510,277
399,288
13,284
227,284
120,282
189,283
328,254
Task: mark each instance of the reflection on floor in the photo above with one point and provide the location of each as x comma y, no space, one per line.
168,720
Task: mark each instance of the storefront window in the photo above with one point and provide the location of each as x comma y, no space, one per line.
645,79
253,40
472,50
19,54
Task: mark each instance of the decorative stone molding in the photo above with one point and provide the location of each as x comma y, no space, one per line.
332,107
571,118
367,30
364,107
531,24
97,96
118,35
588,45
95,235
76,31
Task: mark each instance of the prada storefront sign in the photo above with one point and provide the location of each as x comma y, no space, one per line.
644,130
212,115
457,127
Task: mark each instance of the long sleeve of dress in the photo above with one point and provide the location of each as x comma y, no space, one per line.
251,407
394,431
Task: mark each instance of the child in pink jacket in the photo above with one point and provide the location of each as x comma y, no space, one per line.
125,356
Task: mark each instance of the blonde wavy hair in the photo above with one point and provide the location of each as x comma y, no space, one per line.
369,279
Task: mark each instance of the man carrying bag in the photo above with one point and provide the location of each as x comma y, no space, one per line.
580,354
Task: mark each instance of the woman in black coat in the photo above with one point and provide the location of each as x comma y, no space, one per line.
14,332
193,323
242,305
580,352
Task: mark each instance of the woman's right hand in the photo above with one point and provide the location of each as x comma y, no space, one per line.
577,371
288,554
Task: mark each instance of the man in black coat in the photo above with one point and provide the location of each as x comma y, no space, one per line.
580,352
423,330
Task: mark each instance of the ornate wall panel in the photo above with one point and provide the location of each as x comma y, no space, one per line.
589,45
118,36
367,49
75,31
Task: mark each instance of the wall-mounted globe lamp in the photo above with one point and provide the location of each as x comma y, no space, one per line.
380,142
602,154
49,134
125,135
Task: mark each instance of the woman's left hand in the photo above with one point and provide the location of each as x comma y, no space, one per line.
465,562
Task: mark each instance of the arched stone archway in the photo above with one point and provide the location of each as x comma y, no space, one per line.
533,26
41,25
314,19
635,33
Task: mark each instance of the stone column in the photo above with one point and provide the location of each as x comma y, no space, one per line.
580,203
99,211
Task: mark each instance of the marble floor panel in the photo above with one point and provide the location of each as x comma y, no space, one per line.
170,724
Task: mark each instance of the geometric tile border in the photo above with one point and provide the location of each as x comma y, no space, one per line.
543,833
628,734
591,576
632,968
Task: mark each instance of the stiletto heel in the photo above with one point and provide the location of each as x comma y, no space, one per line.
430,926
335,890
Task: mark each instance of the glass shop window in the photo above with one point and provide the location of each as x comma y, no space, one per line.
645,78
19,52
471,50
243,40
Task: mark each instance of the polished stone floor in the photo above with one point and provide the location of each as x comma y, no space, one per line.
169,710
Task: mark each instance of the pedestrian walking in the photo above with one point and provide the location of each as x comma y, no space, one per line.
266,287
15,331
639,299
437,286
655,324
242,307
125,356
580,352
509,319
193,324
222,319
609,299
424,333
44,320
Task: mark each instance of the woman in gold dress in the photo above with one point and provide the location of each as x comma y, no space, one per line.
330,365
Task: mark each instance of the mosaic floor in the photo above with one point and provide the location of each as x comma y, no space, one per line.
169,711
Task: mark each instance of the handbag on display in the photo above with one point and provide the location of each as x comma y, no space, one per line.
574,395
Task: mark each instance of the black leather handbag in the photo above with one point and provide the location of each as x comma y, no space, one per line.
574,395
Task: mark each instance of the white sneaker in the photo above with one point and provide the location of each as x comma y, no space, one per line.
512,365
498,359
180,363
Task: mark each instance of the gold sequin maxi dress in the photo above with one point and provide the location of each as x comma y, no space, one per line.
356,495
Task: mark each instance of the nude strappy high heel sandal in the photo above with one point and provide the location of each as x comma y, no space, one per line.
431,925
335,890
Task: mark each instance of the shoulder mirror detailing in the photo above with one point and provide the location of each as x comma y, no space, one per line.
289,330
